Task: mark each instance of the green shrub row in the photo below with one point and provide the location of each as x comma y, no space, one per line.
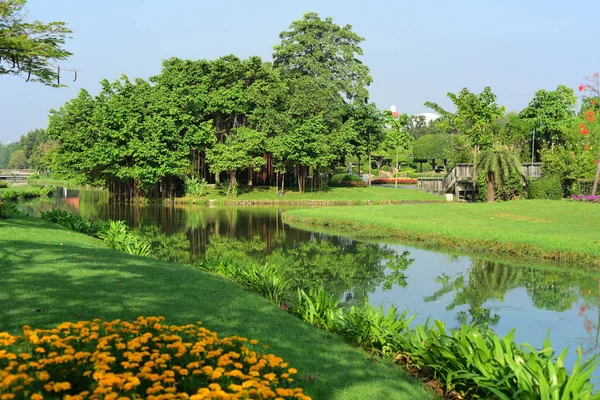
10,194
3,184
546,187
115,234
346,180
471,361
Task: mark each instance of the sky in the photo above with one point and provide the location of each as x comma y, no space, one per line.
418,50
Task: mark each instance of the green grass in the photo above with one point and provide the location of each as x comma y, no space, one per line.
342,194
557,230
19,188
50,275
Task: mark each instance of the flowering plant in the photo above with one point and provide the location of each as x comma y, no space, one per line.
591,101
143,359
583,197
402,181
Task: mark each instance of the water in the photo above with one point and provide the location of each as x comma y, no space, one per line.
538,301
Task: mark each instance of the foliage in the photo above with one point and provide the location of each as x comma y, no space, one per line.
510,189
195,186
70,221
346,180
402,181
546,187
28,48
319,308
2,210
325,52
18,160
432,147
26,193
118,359
5,152
117,236
3,184
548,113
497,164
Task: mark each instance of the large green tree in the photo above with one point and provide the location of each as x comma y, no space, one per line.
29,48
475,117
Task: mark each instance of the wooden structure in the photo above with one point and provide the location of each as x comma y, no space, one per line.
459,182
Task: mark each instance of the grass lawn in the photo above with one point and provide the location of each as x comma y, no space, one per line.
50,275
357,195
559,230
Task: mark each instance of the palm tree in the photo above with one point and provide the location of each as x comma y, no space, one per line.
497,164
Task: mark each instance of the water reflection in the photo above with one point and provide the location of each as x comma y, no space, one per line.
562,301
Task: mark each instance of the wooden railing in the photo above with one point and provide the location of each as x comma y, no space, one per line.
464,172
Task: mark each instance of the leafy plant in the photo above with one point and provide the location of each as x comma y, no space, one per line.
9,194
319,308
195,186
3,184
266,280
547,187
346,180
116,235
70,221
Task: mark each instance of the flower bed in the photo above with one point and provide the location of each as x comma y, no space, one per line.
401,181
143,359
583,197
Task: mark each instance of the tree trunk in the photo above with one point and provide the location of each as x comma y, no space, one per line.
491,189
302,173
232,180
249,176
369,175
397,165
595,184
475,151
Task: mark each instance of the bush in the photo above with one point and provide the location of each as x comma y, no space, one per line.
346,180
117,236
137,360
385,168
33,176
319,308
3,184
2,210
70,221
195,186
401,181
547,187
9,194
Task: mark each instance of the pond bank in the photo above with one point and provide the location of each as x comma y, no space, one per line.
51,275
560,231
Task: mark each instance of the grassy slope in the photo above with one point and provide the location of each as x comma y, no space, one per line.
69,276
373,193
549,229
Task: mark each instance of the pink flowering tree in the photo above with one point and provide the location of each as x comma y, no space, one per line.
591,105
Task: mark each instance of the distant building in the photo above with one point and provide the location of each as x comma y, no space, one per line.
428,116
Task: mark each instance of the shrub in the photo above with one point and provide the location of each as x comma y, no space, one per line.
33,176
319,308
195,186
385,168
2,210
46,191
401,181
137,360
546,187
117,236
3,184
9,194
70,221
583,197
346,180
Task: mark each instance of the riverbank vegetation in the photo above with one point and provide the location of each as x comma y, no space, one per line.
53,275
562,231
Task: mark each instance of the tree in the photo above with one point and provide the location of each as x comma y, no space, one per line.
17,160
326,52
433,147
32,140
366,122
27,48
5,151
498,164
592,89
397,137
475,117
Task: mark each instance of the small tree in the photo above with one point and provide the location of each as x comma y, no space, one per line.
397,137
18,160
497,164
592,99
432,147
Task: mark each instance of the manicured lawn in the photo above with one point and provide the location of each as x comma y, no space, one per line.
559,230
50,275
355,194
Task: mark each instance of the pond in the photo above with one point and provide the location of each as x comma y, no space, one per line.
561,302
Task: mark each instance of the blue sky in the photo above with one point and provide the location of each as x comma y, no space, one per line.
417,50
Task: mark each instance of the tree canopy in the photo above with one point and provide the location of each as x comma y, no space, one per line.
29,48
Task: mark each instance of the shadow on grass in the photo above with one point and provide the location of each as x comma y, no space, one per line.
47,283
